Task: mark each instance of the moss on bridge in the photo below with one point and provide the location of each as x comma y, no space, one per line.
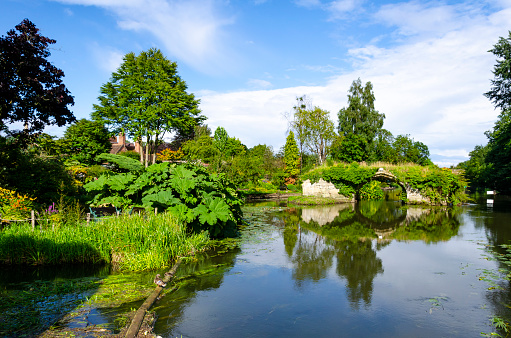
429,185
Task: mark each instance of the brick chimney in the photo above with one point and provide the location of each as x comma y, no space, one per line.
121,139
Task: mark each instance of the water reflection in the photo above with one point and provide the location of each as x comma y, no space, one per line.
342,268
316,239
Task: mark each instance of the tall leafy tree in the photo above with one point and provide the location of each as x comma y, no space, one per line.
291,157
31,88
500,92
146,98
316,128
409,151
498,157
360,117
84,140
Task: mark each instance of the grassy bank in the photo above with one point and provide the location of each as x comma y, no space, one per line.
134,243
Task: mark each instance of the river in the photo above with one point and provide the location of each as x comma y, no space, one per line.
374,269
371,269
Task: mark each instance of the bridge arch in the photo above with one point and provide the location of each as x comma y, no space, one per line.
383,175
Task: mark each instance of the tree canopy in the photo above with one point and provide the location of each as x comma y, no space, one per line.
291,157
360,117
146,98
31,88
84,140
314,127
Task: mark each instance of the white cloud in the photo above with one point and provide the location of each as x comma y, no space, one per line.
339,8
192,30
308,3
108,59
259,84
431,88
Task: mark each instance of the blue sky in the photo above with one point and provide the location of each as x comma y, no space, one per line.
248,60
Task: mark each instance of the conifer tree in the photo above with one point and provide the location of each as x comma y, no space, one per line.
291,157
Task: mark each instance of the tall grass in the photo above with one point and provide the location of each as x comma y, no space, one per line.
136,242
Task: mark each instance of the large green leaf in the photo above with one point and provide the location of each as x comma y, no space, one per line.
163,198
216,209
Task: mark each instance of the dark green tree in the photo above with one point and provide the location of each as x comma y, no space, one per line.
146,98
500,92
31,88
498,158
291,157
476,168
360,117
409,151
350,148
84,140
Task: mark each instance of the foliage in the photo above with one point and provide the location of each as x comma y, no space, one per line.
201,146
34,175
346,178
440,185
409,151
136,242
14,206
147,98
291,157
204,201
350,148
220,139
490,166
170,155
84,140
131,154
32,91
360,117
500,93
371,191
314,128
121,163
312,200
476,168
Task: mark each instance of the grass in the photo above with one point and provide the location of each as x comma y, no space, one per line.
313,200
129,243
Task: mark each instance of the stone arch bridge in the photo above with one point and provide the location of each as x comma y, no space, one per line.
323,188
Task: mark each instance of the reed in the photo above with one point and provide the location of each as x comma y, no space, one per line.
134,243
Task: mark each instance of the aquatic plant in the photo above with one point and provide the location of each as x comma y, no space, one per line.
137,242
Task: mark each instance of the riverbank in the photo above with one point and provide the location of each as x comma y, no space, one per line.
127,243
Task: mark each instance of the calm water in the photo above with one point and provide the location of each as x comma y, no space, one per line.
370,269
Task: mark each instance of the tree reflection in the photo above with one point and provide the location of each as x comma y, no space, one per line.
358,264
312,258
346,240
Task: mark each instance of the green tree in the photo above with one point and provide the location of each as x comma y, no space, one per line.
500,93
146,98
84,140
383,149
476,168
498,157
316,129
31,88
409,151
201,147
291,157
220,139
360,117
349,148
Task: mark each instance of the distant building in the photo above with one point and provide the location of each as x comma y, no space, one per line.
119,145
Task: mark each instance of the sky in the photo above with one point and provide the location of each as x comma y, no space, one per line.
247,61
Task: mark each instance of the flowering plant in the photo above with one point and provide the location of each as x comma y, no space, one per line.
14,206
